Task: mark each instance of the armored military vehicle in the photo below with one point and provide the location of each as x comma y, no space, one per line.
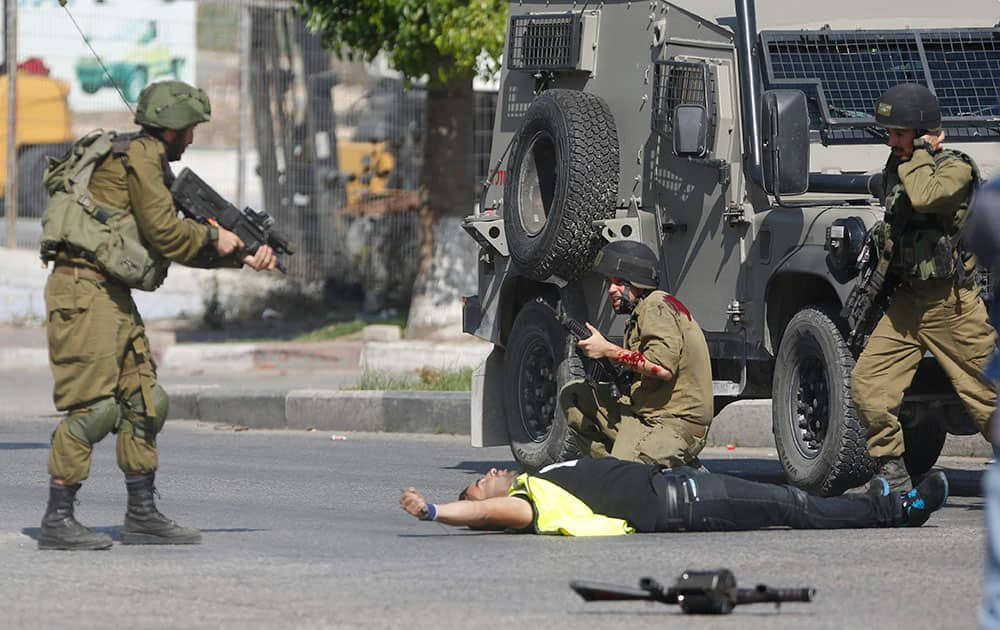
748,159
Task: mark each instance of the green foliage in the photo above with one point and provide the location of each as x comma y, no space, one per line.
342,329
439,38
429,379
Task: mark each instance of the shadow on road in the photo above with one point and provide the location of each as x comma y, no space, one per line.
964,483
114,531
480,468
23,446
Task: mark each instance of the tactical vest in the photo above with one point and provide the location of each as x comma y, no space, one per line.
73,222
926,245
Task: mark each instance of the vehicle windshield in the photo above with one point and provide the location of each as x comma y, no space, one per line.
844,72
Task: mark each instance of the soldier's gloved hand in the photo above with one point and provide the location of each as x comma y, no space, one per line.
227,243
263,260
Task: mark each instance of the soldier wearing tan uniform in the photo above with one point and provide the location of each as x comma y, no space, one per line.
665,416
105,378
936,305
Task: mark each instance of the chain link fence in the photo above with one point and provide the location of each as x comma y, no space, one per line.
331,149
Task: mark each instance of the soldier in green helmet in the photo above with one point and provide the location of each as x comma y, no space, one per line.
664,417
110,227
936,304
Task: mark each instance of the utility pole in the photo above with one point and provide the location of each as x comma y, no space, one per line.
243,147
10,54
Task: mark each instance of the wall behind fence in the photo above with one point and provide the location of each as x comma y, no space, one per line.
332,150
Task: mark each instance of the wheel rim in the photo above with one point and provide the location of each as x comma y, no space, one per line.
810,402
536,183
537,389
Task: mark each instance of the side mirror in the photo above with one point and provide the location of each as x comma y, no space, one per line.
785,139
690,131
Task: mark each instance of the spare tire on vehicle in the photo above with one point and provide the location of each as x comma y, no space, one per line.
562,175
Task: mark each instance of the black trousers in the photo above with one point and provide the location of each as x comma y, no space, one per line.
710,502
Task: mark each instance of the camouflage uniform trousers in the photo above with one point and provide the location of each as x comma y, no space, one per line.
924,315
605,427
97,350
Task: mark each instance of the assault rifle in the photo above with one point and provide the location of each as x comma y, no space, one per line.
870,295
199,201
697,592
599,370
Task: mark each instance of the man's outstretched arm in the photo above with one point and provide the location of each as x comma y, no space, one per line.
494,513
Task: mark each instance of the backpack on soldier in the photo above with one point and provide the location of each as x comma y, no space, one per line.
73,222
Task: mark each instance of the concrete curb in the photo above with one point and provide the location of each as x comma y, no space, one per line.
24,358
748,423
325,410
741,424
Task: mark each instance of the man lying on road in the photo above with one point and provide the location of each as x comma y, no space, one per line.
609,497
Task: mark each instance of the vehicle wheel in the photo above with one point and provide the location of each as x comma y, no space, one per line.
31,195
538,360
819,438
134,84
562,176
924,441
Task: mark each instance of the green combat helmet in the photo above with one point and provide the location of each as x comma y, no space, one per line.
908,106
172,105
631,261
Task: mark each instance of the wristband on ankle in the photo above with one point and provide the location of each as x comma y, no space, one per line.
432,512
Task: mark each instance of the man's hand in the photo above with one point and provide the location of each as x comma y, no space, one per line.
933,141
263,260
228,242
596,346
413,503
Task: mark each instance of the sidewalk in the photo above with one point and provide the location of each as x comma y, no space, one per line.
295,385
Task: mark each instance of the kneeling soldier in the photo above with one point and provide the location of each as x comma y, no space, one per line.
665,416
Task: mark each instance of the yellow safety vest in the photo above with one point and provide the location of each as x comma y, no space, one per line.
558,512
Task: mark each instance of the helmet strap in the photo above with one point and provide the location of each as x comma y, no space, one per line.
174,147
627,304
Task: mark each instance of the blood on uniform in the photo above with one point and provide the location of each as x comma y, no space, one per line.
677,305
632,359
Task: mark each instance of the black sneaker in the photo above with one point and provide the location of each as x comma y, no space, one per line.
929,496
878,487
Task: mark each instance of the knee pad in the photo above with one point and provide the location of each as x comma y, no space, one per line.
91,425
146,425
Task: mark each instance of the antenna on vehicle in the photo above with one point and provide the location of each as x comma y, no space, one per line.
62,3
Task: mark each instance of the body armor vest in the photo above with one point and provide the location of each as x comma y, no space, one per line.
926,246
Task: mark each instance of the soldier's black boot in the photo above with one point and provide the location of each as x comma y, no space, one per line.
929,496
61,530
144,525
893,469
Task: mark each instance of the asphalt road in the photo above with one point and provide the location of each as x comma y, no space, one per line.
304,531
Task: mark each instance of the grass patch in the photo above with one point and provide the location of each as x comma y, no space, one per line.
342,329
428,380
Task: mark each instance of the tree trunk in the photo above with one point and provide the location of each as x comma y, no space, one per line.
447,269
